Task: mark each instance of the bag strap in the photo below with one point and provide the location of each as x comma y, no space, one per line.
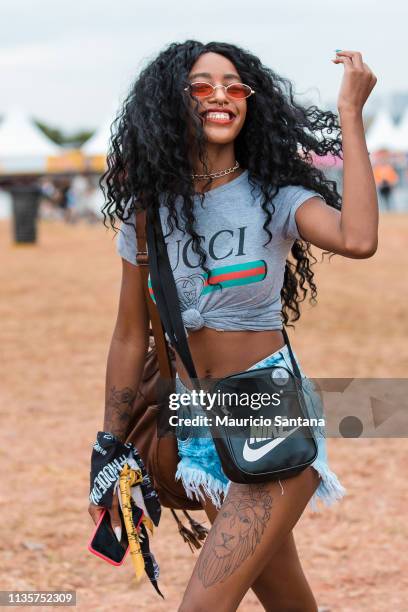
292,357
167,298
165,293
142,260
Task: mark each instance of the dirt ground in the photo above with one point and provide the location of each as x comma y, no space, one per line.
58,309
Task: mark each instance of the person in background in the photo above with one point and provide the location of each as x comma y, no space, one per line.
80,203
49,208
386,178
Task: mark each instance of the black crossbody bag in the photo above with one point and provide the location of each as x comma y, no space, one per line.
248,452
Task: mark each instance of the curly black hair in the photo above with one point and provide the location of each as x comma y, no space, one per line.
150,148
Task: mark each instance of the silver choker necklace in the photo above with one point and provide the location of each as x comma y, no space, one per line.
216,174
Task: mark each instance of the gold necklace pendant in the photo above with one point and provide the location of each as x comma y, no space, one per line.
218,174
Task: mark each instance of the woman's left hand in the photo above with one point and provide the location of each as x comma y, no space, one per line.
358,81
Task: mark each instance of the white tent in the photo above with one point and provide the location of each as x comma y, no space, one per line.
99,142
382,134
23,147
401,139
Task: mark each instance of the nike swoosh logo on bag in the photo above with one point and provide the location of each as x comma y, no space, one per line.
253,454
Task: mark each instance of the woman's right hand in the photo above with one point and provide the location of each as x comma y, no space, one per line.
126,359
95,512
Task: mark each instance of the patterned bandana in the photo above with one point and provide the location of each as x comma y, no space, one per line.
118,468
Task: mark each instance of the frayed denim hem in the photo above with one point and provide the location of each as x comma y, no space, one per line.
201,485
330,488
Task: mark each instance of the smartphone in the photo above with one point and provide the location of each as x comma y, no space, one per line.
104,542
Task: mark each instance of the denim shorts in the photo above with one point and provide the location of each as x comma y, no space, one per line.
200,468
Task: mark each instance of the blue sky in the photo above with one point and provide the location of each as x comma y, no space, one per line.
71,63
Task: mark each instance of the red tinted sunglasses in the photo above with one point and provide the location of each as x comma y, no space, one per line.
201,89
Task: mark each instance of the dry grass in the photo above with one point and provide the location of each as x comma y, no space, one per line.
58,310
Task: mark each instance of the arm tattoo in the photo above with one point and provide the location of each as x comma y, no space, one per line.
235,533
119,411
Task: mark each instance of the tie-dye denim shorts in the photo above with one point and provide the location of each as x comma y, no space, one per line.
200,468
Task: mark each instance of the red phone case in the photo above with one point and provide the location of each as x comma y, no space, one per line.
99,554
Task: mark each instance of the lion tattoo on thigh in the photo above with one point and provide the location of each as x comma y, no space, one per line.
235,533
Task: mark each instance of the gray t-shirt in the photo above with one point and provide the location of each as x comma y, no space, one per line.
251,275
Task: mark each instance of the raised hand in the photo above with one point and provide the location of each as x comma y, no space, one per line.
357,83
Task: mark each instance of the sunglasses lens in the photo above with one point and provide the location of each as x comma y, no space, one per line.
201,89
239,91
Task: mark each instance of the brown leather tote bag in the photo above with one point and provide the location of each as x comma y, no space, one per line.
159,453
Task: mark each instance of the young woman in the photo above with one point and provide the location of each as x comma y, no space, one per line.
216,142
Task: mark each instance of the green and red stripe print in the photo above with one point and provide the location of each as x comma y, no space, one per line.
236,275
149,284
229,276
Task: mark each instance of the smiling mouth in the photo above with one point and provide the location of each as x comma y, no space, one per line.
218,116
